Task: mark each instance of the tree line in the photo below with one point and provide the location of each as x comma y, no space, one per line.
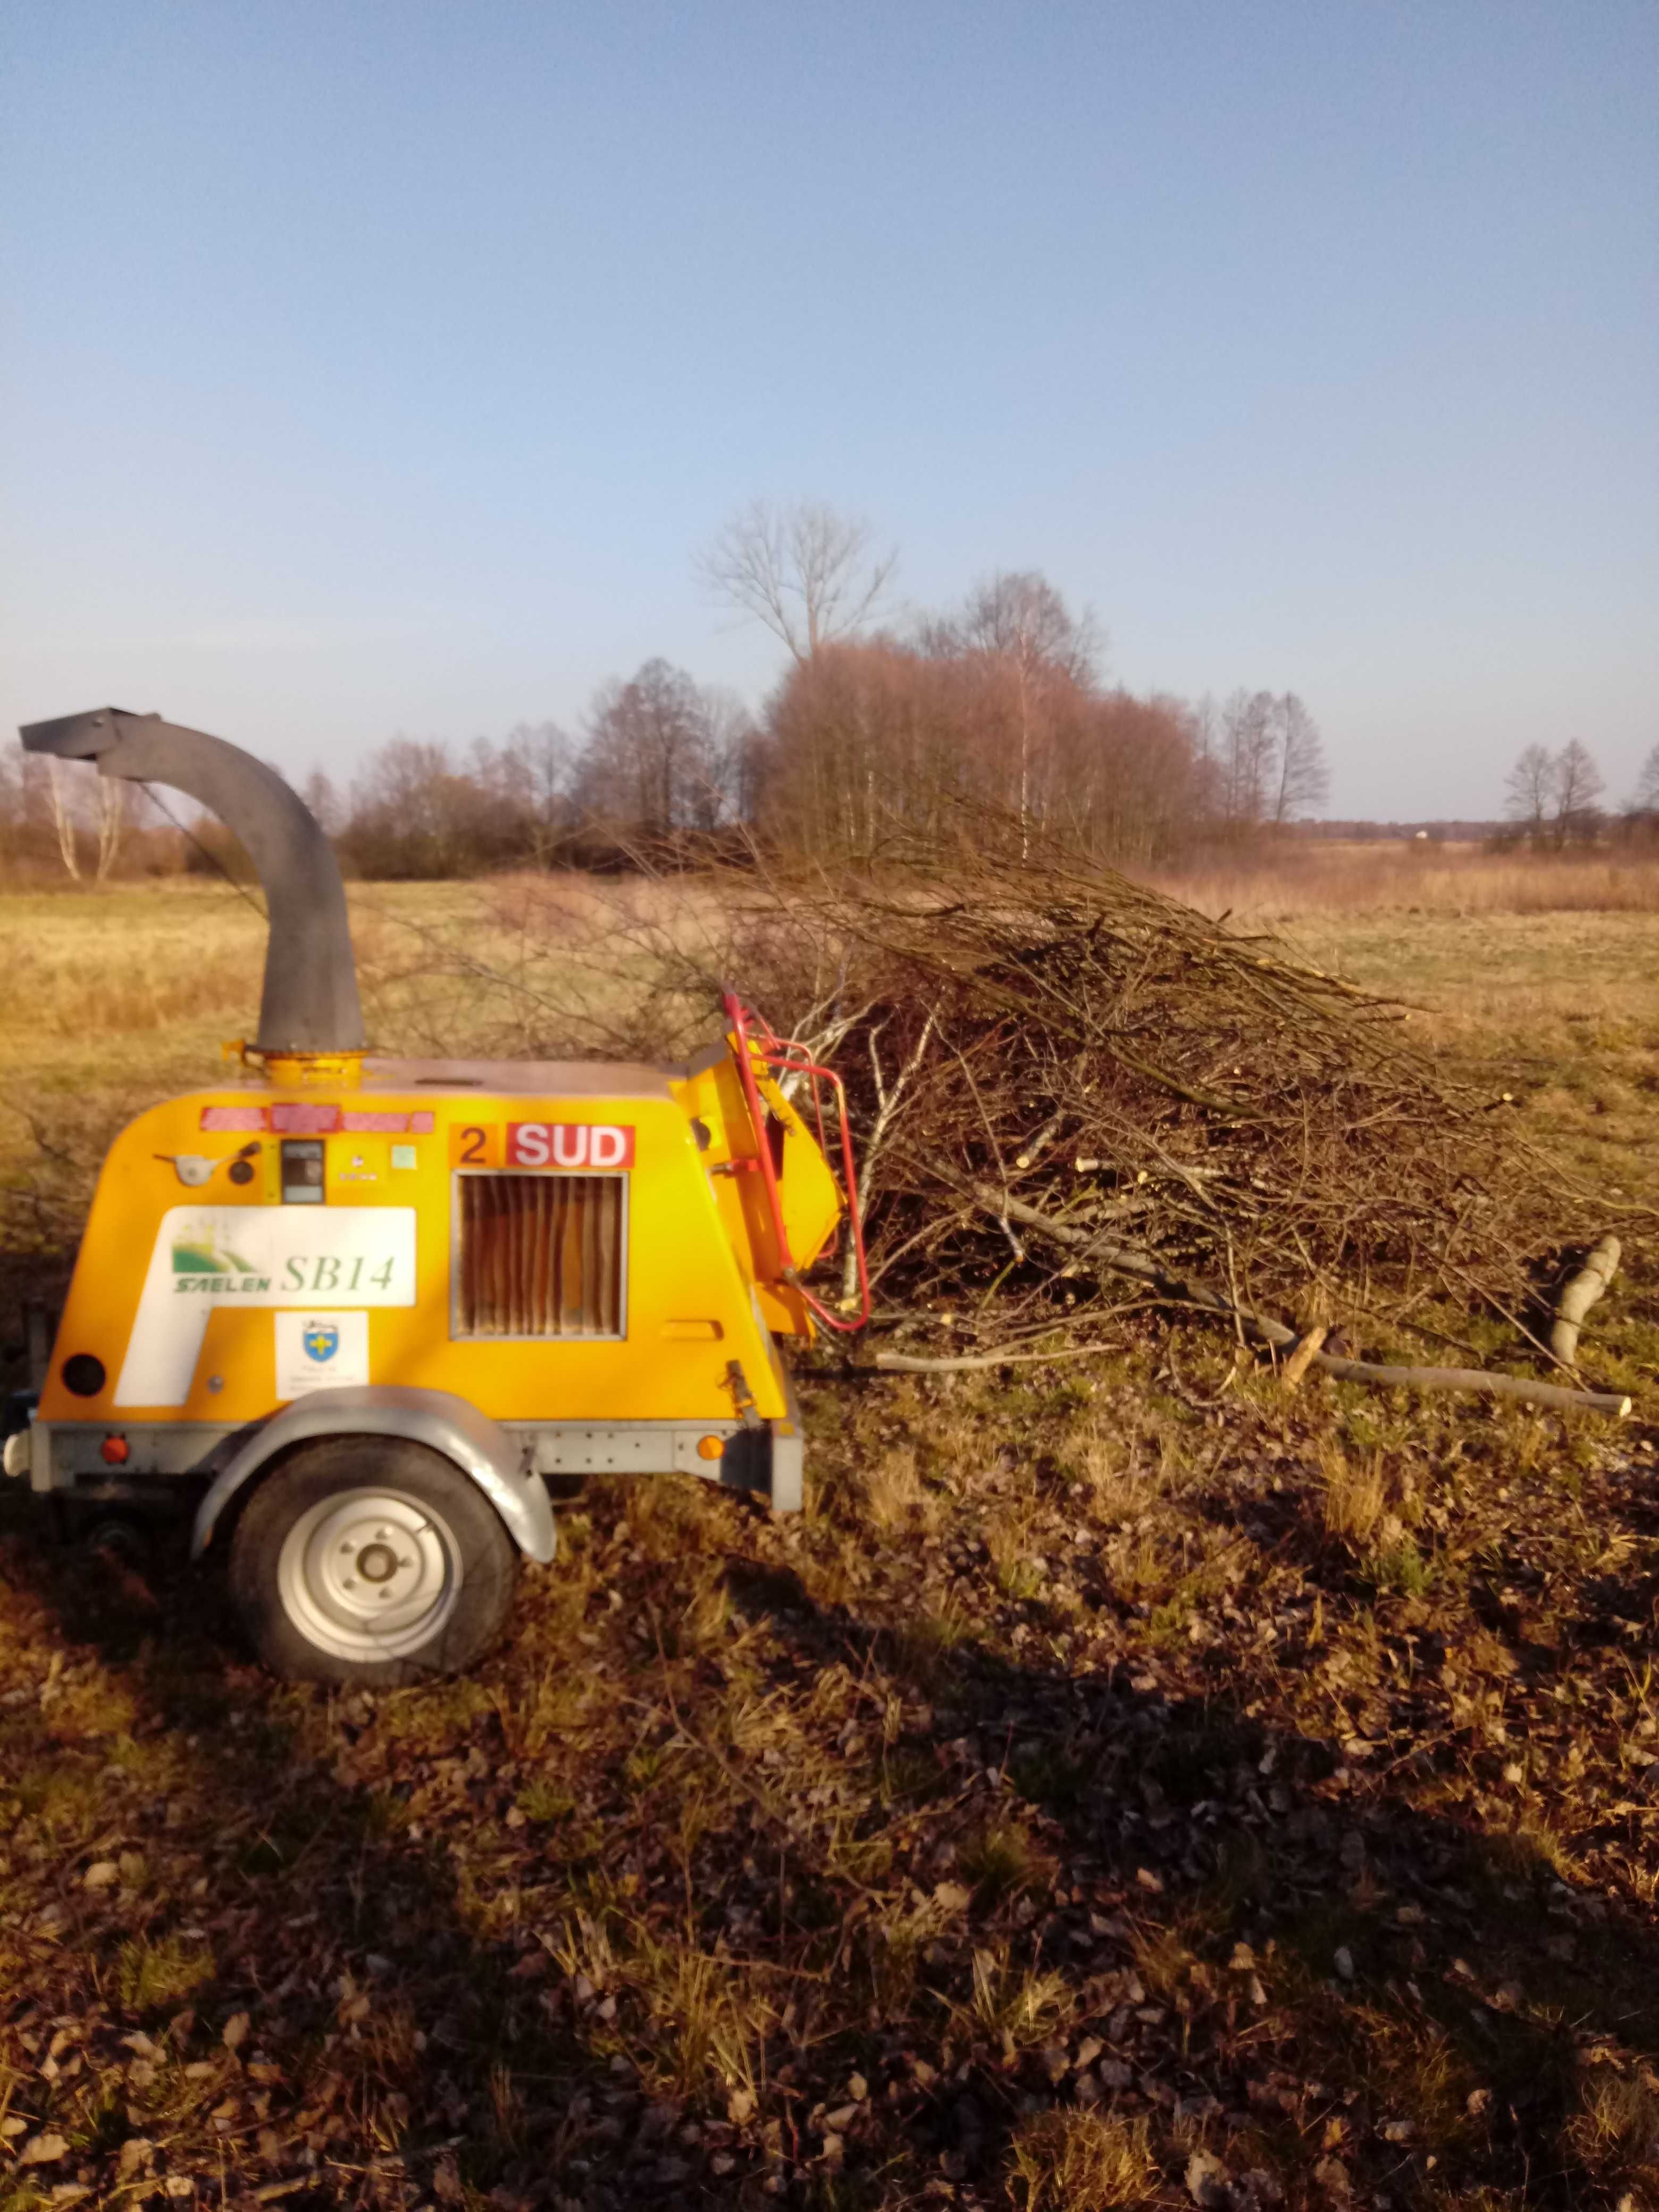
1554,800
995,717
864,744
881,730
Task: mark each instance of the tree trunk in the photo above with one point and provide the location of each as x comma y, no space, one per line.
62,821
110,817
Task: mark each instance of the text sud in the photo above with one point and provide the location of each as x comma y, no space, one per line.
568,1144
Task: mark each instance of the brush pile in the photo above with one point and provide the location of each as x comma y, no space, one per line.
1054,1070
1086,1053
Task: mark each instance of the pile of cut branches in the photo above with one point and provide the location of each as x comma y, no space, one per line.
1057,1073
1105,1056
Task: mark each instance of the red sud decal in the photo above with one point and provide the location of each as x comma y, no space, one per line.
584,1145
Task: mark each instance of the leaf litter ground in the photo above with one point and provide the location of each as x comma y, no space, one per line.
1095,1801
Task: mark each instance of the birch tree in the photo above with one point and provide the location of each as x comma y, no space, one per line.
1017,624
110,820
62,819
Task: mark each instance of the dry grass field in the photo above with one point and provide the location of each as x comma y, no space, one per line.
1341,877
1127,1784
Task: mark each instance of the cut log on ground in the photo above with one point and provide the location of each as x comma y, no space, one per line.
1578,1294
1477,1379
1303,1356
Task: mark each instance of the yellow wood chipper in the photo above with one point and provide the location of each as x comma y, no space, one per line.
365,1306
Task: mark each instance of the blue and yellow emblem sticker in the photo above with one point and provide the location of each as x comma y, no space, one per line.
321,1340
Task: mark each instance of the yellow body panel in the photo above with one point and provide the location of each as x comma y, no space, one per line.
810,1203
184,1272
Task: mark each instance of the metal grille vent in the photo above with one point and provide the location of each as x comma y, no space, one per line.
540,1255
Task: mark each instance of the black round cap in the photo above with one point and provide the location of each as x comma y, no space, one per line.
84,1374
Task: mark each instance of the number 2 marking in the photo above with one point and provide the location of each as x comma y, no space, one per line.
472,1147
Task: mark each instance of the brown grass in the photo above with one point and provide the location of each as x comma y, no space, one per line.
1355,1495
893,1490
1319,877
1081,2161
1089,1776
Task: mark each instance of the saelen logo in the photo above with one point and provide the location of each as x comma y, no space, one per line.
355,1274
209,1257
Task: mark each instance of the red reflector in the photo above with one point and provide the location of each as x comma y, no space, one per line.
115,1449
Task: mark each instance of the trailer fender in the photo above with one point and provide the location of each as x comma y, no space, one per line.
477,1445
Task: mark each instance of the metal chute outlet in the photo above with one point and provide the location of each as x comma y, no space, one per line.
357,1310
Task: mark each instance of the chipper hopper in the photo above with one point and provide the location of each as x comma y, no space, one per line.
356,1309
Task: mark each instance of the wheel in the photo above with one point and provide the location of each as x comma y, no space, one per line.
372,1560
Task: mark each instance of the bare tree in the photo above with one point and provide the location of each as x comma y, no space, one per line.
804,570
1249,740
1578,784
63,820
1302,780
416,814
730,763
646,766
111,816
1206,797
323,801
1017,615
535,773
1530,791
1019,622
1645,798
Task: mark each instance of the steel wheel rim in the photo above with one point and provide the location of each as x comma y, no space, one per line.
370,1574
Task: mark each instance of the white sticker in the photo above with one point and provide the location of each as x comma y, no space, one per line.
256,1255
320,1352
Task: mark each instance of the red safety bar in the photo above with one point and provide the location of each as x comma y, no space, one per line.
785,1055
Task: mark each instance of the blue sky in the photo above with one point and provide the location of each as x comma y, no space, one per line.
379,367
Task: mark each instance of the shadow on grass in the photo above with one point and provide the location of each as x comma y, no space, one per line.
275,1980
449,1998
1338,1971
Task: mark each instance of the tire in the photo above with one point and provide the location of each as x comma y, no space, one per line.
371,1560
